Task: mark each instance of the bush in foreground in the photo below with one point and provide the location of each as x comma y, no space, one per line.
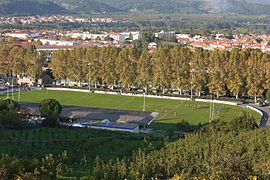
47,168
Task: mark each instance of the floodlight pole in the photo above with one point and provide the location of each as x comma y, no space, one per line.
8,86
143,102
89,78
191,91
12,88
19,93
213,108
191,82
210,114
8,91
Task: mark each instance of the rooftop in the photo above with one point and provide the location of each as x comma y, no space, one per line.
88,114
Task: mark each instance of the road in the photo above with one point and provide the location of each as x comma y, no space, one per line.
265,121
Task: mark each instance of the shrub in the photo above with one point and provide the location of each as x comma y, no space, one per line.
9,105
245,121
50,108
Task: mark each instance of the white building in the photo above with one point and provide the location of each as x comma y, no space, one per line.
131,35
152,46
114,126
182,36
163,34
86,35
117,36
26,80
101,36
125,35
51,42
54,48
22,35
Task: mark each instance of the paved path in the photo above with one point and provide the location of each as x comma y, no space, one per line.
265,121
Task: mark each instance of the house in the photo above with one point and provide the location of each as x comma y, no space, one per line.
85,35
54,48
51,42
186,36
152,46
117,36
130,35
163,34
26,81
200,45
22,35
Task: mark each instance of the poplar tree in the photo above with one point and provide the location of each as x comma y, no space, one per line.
109,57
217,79
181,60
126,67
199,70
60,64
93,65
144,70
162,69
255,75
235,79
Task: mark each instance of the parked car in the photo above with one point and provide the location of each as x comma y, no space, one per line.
262,104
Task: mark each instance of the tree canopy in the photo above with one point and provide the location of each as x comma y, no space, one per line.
50,108
9,105
223,73
221,150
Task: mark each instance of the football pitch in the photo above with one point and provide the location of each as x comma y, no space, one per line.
170,111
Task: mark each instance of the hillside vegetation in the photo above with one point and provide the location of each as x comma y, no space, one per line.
46,7
81,146
235,150
29,7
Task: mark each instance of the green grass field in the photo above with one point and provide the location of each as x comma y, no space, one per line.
171,111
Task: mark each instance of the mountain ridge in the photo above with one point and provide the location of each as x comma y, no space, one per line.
47,7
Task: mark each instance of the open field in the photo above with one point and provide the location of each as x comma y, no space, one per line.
171,111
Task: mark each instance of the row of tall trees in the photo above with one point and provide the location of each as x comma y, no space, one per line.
21,61
221,72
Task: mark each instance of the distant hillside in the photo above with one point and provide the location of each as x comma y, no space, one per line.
248,7
29,7
45,7
251,7
168,6
87,6
260,1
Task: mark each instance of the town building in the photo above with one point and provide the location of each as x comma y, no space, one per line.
163,34
22,35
